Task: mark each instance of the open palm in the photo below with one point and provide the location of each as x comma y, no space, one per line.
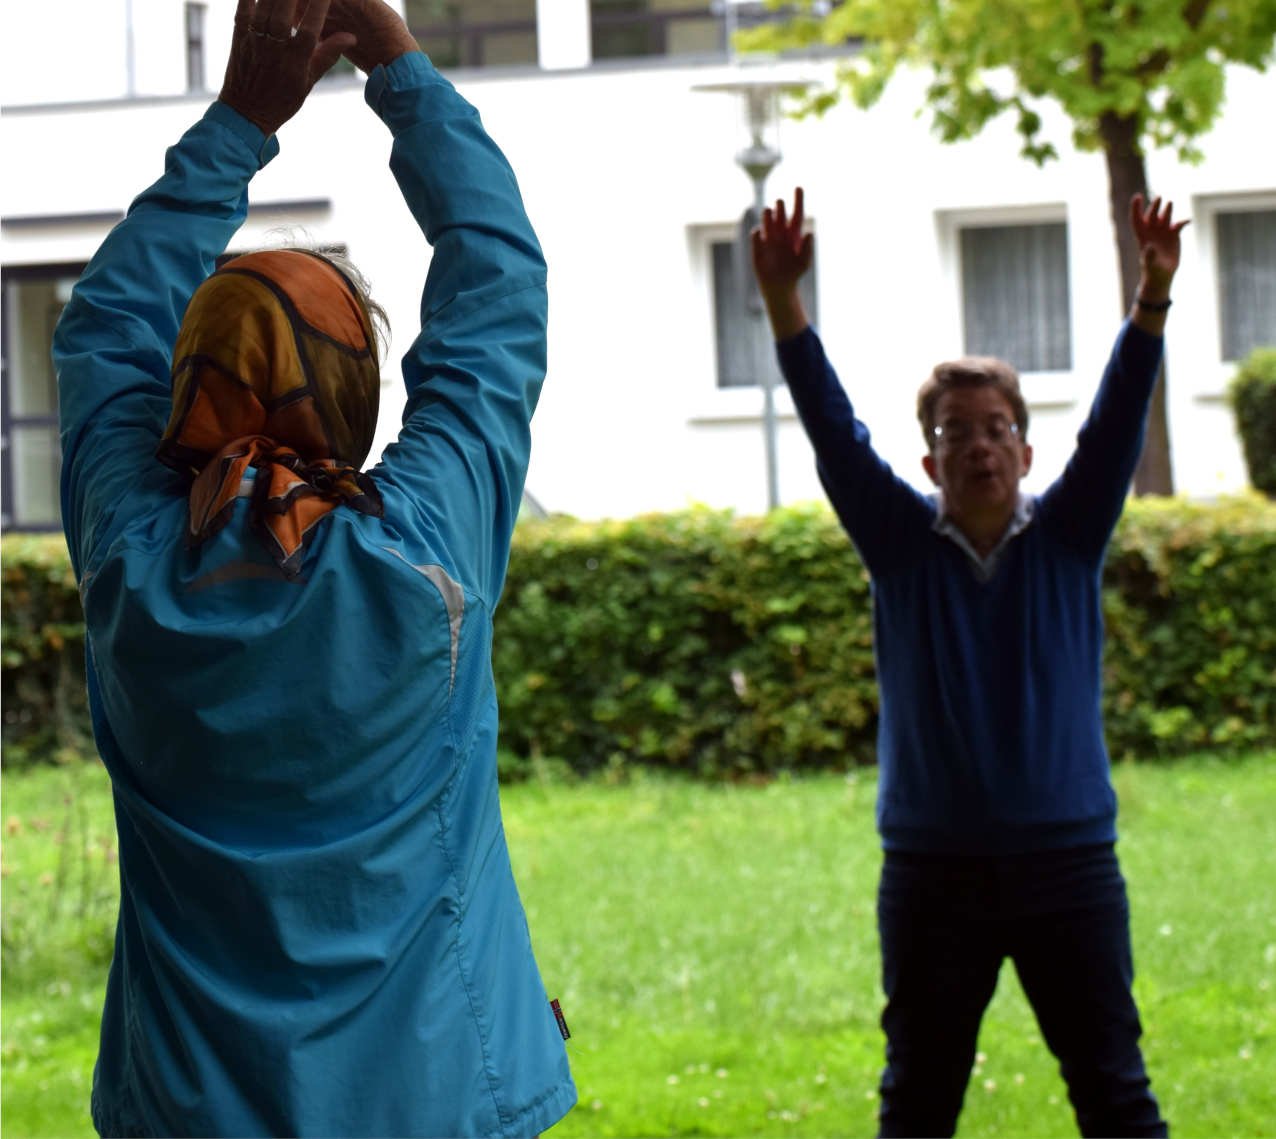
1158,237
781,253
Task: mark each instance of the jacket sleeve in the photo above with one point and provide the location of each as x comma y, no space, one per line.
112,349
474,372
1083,504
885,517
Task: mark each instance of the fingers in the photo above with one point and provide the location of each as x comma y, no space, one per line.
272,19
799,201
328,51
278,18
313,20
1146,216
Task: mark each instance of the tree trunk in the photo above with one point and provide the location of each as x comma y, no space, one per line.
1127,176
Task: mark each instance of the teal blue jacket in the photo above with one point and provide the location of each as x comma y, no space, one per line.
319,930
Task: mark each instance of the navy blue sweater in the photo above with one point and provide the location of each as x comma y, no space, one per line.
991,737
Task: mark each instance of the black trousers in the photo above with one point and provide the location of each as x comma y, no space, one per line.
947,923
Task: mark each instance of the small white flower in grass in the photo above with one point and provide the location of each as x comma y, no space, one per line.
1246,1053
721,1073
1019,1077
990,1085
1166,930
821,1077
1269,954
1054,1099
597,1105
981,1058
672,1078
703,1101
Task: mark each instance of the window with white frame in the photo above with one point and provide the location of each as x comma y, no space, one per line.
33,299
196,14
745,348
1245,240
1015,294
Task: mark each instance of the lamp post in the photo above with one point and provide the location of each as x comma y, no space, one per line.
760,104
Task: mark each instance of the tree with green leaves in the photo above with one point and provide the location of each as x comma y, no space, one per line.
1128,73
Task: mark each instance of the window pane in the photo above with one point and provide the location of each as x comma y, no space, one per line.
1015,295
195,80
476,33
32,311
627,29
35,458
745,345
1247,280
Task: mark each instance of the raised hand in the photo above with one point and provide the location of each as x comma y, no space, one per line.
276,58
381,35
1159,245
781,254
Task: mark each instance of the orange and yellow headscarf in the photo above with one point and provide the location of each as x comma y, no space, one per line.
274,369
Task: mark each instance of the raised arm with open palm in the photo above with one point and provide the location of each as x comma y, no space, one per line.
782,253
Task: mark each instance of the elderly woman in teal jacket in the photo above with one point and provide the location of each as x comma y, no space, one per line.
289,657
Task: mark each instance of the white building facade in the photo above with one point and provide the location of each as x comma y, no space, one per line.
652,400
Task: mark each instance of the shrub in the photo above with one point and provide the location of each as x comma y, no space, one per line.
1190,609
1252,395
45,709
724,646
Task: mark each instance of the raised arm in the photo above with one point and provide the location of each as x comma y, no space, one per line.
782,254
1085,501
1159,255
884,516
474,372
113,345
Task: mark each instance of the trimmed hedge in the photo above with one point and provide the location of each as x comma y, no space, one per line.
42,696
1252,396
723,646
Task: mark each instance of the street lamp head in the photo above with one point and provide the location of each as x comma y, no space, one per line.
759,101
758,161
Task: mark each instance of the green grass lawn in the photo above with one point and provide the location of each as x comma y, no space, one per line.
715,953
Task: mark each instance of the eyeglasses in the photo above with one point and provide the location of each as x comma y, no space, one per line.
958,434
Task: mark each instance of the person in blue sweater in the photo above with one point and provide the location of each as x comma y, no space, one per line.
289,657
995,803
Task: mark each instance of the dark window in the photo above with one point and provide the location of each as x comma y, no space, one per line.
633,29
33,301
195,19
745,346
476,33
630,29
1246,280
1015,295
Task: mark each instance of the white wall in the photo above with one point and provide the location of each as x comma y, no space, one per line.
624,172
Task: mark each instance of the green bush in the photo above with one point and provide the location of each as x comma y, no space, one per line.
724,646
1190,609
45,709
1252,395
